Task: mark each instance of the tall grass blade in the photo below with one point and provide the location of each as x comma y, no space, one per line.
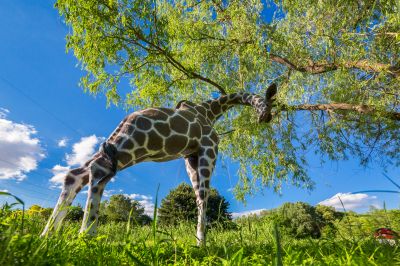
128,224
20,201
134,258
155,214
278,257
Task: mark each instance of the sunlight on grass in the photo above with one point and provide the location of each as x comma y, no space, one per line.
247,245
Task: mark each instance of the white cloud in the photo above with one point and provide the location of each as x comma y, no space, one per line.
246,213
59,173
4,112
106,193
4,190
20,149
351,201
62,142
145,201
82,151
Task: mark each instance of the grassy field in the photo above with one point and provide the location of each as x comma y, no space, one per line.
253,242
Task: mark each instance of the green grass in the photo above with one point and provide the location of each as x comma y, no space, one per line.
252,243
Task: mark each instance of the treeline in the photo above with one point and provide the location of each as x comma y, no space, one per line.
297,220
178,206
301,220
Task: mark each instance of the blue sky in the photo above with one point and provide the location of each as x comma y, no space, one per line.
41,104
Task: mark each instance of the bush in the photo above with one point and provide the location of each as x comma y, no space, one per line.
180,205
302,220
75,213
120,207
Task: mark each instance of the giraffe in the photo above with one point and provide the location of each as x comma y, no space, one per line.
157,135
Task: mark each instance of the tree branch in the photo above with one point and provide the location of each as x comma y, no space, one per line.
138,34
359,108
319,68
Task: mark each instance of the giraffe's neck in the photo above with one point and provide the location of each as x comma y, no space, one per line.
213,109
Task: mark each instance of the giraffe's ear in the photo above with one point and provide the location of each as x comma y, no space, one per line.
271,91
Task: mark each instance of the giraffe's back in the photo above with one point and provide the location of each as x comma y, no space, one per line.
156,134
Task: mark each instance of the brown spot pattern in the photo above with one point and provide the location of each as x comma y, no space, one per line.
97,174
155,141
139,137
214,138
206,142
124,157
203,162
77,171
175,143
140,152
215,108
223,99
162,128
210,153
205,172
128,145
194,130
179,124
69,180
143,123
85,180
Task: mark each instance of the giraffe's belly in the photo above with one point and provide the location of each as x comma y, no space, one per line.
164,157
156,149
161,158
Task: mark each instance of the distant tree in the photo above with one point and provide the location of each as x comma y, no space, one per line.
75,213
145,219
298,219
180,205
328,214
120,207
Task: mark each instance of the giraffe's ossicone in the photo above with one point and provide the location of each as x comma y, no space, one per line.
158,135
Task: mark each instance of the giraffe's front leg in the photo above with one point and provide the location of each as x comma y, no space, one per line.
73,183
200,169
99,176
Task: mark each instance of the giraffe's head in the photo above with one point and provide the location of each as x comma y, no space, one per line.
264,110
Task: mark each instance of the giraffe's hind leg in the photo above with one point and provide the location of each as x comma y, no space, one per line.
74,181
200,169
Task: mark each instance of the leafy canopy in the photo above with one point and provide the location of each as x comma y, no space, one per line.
339,57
